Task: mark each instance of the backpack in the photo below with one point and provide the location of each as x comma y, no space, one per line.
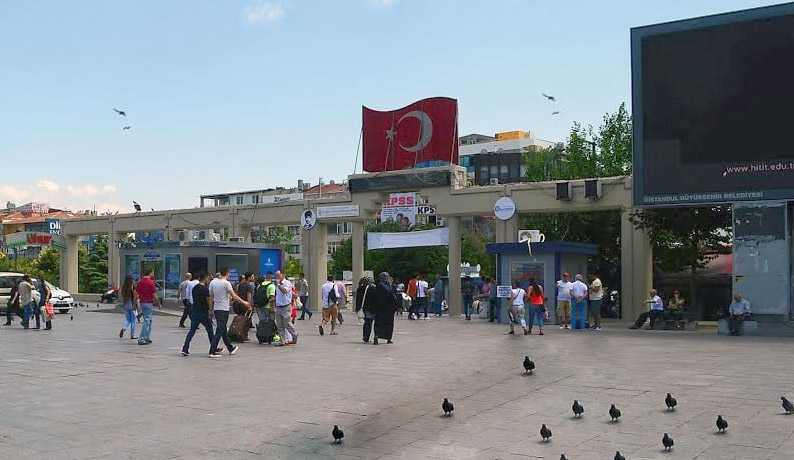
261,297
332,297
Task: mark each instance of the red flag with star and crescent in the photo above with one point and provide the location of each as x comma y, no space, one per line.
426,130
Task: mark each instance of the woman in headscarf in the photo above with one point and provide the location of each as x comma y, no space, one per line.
385,305
365,293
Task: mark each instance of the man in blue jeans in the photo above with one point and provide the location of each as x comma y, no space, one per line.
199,313
147,295
579,292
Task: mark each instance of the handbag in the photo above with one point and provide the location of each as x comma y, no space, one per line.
49,310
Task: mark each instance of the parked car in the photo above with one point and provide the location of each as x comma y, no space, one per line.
62,301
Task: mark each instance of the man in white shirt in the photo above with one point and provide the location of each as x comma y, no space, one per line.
655,311
596,296
564,300
517,295
184,294
332,296
221,296
289,335
579,300
421,295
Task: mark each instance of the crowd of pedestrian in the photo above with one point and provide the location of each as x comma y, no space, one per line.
30,299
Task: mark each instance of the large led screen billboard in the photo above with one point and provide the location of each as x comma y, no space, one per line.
713,103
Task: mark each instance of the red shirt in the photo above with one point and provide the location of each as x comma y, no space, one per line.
146,290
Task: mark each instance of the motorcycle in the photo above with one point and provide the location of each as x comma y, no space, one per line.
110,296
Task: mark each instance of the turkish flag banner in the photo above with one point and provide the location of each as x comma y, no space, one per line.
399,139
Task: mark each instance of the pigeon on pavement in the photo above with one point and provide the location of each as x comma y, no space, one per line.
618,456
545,433
722,424
337,434
614,413
529,365
787,406
667,442
563,457
670,402
447,407
577,408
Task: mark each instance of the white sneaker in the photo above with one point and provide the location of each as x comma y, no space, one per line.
566,327
562,327
598,328
233,350
215,355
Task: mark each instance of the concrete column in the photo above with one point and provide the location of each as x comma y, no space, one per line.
506,230
636,268
358,251
455,299
69,268
315,262
114,259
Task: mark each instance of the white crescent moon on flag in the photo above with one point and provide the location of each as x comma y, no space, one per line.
425,130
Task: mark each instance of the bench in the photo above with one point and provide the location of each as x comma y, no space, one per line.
748,327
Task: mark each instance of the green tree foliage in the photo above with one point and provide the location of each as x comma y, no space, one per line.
275,236
45,266
293,267
93,267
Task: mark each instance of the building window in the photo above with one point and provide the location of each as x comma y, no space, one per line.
222,202
239,199
494,171
294,230
523,170
332,247
293,249
255,199
514,171
344,228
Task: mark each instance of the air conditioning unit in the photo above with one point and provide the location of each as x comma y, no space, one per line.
564,191
494,181
236,239
523,235
182,235
592,189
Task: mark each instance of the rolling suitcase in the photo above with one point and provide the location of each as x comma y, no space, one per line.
238,331
265,330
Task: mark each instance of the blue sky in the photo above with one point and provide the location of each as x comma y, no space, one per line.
242,94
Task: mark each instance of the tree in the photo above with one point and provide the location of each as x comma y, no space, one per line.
48,265
93,266
293,268
275,236
686,238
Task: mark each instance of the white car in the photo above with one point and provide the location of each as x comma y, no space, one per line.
62,301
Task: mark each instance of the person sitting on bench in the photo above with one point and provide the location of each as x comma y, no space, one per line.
655,311
675,309
739,311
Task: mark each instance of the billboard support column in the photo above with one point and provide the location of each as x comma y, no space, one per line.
636,268
506,230
114,259
455,298
69,268
358,252
315,262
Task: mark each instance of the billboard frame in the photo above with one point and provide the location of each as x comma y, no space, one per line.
638,111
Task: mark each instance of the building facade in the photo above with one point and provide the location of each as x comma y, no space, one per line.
498,159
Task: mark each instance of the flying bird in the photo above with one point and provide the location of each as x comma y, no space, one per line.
556,112
337,434
136,206
722,424
127,128
667,442
670,402
529,365
618,456
787,406
120,112
551,98
577,408
447,407
545,433
614,413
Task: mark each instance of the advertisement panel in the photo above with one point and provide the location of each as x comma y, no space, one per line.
332,212
269,261
400,208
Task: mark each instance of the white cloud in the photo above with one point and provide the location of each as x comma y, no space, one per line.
75,197
47,185
262,12
383,3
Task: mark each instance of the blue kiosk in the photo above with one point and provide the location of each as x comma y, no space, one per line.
546,263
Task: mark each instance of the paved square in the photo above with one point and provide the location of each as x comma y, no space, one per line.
80,392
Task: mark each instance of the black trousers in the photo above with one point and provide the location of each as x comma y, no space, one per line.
185,311
654,314
221,319
305,309
421,303
9,313
735,324
367,328
197,319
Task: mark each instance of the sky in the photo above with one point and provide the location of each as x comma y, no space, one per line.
247,94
